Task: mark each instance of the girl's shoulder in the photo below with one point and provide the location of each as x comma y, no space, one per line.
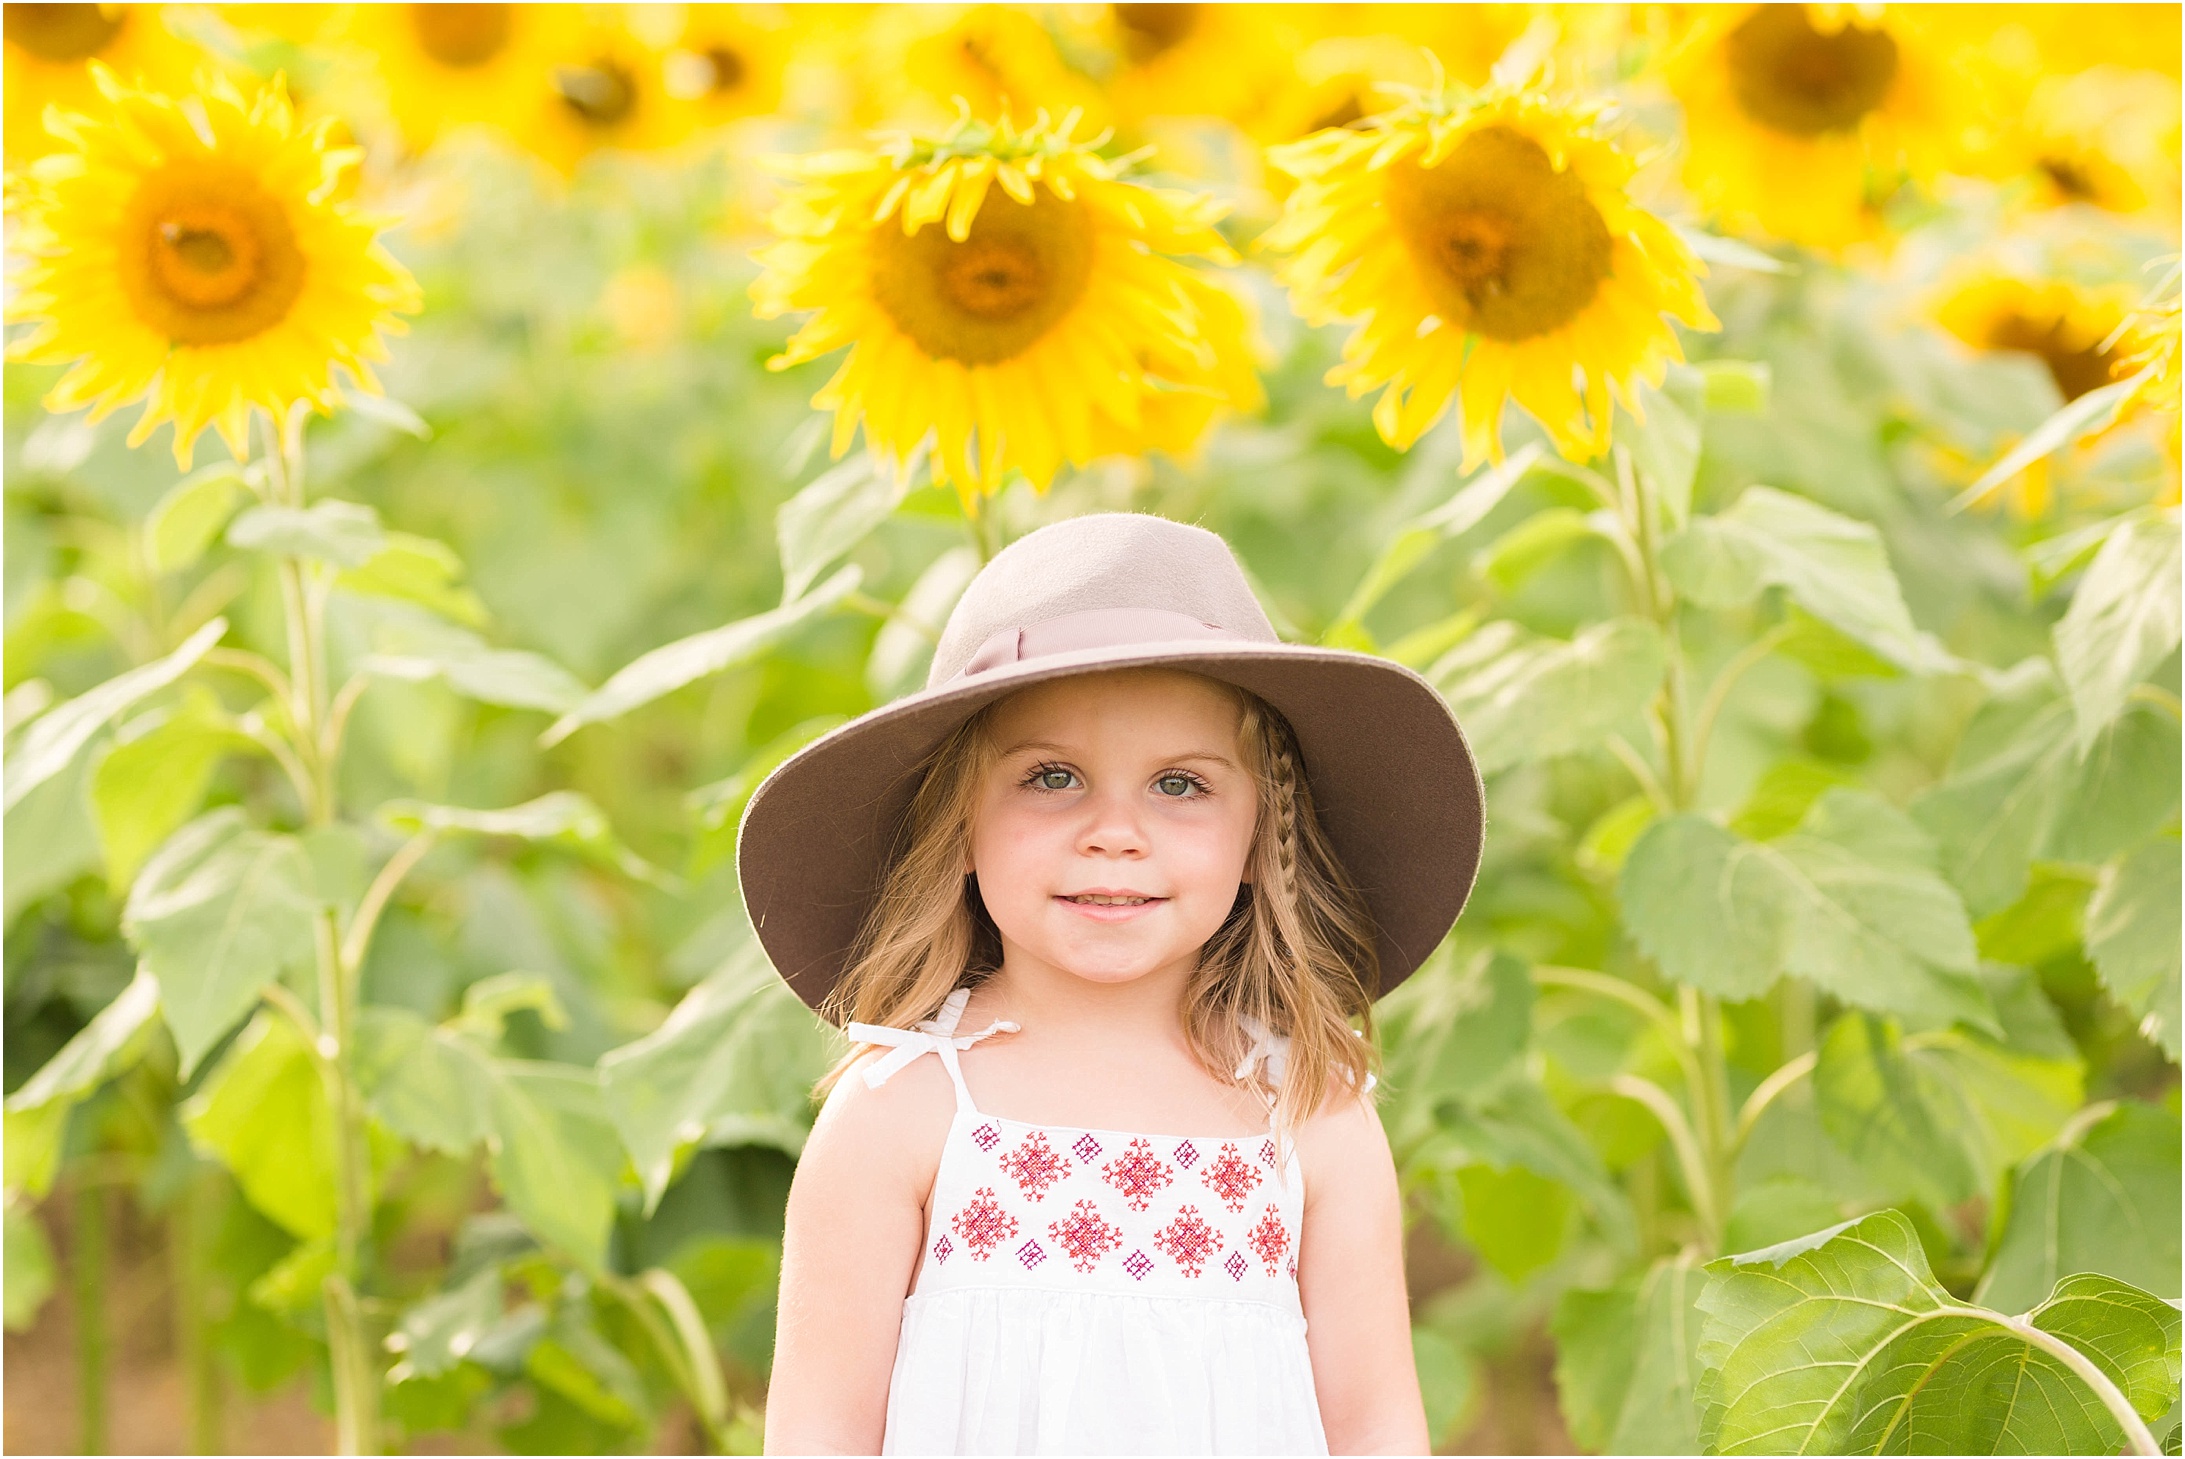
891,1133
1342,1146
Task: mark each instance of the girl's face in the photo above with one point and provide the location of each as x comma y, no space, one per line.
1111,833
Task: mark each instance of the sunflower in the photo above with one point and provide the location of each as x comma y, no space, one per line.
50,49
1007,294
607,89
193,250
2149,351
1227,61
1485,244
726,64
2106,137
448,67
1800,120
918,61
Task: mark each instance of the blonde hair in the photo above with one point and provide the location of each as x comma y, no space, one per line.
1297,953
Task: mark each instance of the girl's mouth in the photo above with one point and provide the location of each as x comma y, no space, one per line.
1110,906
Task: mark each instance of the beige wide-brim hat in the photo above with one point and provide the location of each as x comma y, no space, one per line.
1393,780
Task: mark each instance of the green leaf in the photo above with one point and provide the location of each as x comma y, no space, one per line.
384,409
1842,1342
718,808
1937,1116
1453,1032
1736,387
111,1041
2123,620
50,836
1849,900
423,1083
1714,248
417,570
2132,937
561,818
555,1155
1448,1382
904,646
732,1065
296,1284
671,666
29,1270
1524,699
1529,546
2016,791
155,778
1665,448
1518,1125
2044,923
1783,795
418,649
488,1003
2131,1335
577,1362
219,911
346,534
263,1112
1409,545
2091,412
184,522
51,740
437,1333
832,514
2103,1198
1833,566
1515,1218
1626,1361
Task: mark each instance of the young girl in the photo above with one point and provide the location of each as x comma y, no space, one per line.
1128,868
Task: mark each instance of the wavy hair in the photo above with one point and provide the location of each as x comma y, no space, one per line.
1297,952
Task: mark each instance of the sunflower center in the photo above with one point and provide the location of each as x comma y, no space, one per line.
1148,30
462,36
2076,369
62,32
601,94
729,70
1790,77
992,296
2068,178
214,260
1508,247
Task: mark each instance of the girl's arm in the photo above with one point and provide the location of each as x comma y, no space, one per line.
1350,1272
855,1218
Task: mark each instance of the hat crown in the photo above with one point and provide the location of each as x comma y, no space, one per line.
1108,560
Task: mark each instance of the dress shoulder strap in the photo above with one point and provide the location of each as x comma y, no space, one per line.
936,1035
1273,1050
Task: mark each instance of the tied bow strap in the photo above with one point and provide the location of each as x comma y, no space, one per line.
1274,1049
926,1036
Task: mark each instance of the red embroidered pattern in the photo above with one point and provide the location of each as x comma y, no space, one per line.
1188,1240
983,1224
1085,1235
1229,1177
1236,1266
1267,1153
943,1247
986,1136
1137,1173
1186,1154
1270,1239
1035,1167
1031,1254
1138,1264
1087,1148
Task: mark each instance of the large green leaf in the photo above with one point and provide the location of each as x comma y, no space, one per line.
1842,1342
1516,1125
831,514
416,570
155,777
671,666
437,1333
1849,900
1524,698
422,1082
219,911
37,1112
1833,566
2017,791
2132,936
1665,443
1939,1116
2103,1198
420,648
1627,1360
560,818
184,522
2123,620
904,646
732,1065
50,836
1453,1032
264,1113
50,741
346,534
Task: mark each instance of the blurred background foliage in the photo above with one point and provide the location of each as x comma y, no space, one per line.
588,456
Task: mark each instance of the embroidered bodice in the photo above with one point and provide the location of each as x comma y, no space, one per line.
1022,1204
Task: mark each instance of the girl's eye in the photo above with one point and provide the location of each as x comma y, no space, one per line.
1178,784
1052,777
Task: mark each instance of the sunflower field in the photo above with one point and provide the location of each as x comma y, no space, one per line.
453,452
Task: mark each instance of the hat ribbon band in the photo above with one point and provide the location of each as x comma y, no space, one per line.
1090,629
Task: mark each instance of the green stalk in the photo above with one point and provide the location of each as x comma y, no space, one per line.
88,1253
350,1348
189,1240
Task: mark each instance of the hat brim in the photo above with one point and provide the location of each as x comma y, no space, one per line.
1396,786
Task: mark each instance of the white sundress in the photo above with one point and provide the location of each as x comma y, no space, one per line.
1099,1291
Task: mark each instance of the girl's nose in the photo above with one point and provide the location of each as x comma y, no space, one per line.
1113,826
